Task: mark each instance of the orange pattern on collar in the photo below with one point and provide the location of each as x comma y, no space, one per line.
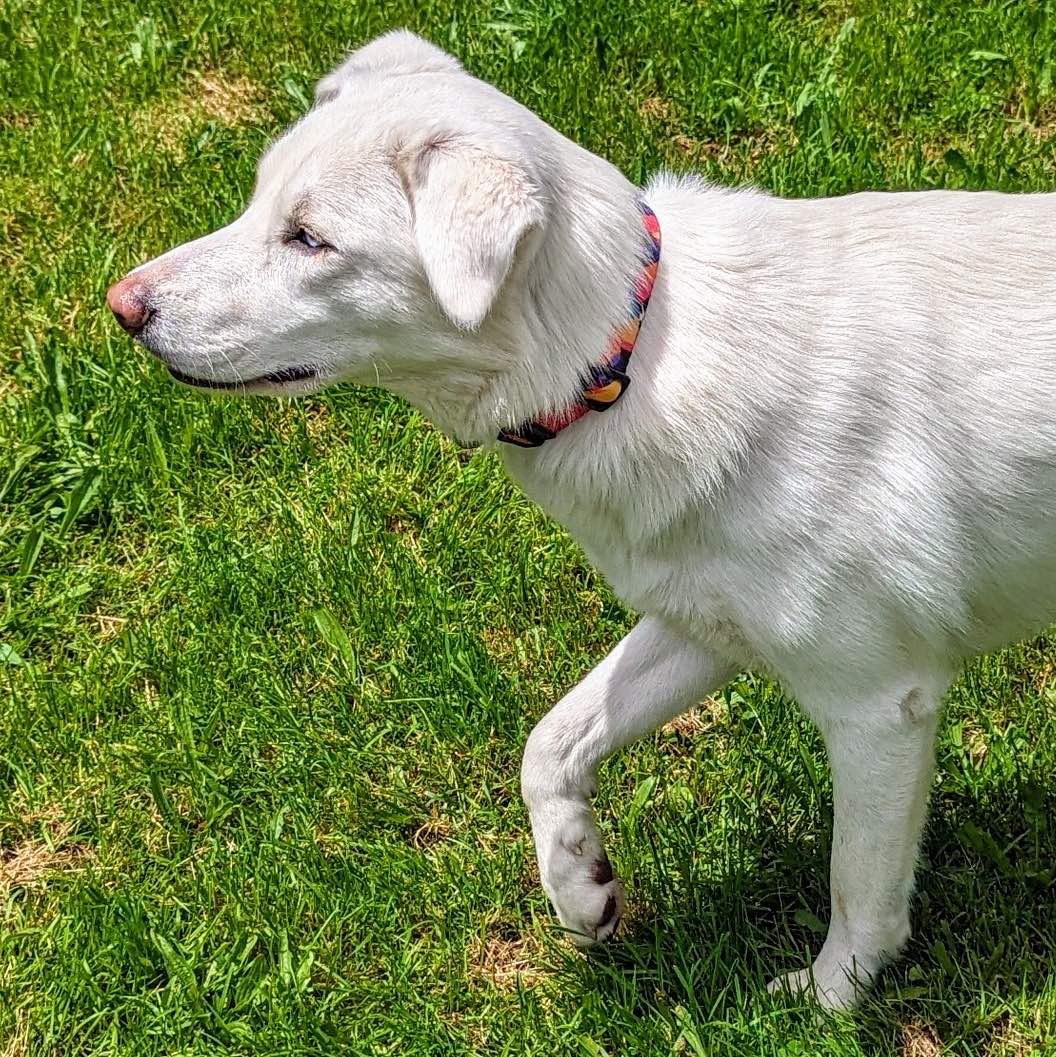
607,381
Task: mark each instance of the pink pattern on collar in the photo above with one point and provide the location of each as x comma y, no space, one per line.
607,381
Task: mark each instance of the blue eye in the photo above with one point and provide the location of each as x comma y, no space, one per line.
308,240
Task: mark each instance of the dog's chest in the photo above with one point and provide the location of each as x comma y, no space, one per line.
654,549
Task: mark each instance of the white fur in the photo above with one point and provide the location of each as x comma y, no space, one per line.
836,462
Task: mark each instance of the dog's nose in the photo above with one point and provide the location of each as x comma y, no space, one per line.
128,301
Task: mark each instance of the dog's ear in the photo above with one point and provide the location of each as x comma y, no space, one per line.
397,52
470,209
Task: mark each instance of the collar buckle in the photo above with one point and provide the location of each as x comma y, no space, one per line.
606,391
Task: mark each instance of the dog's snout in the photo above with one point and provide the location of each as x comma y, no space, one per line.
128,301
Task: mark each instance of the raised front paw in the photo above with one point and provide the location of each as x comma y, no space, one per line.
587,897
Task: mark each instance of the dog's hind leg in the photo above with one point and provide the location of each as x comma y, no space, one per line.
882,760
654,673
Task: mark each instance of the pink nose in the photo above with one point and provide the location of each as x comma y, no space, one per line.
128,301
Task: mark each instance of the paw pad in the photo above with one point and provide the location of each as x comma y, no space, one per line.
601,871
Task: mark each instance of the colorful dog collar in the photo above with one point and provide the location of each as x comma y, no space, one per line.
606,382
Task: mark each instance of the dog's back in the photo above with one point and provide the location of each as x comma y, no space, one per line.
842,427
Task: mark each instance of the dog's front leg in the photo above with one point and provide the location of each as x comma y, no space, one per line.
654,673
882,761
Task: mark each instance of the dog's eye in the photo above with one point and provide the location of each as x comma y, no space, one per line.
308,240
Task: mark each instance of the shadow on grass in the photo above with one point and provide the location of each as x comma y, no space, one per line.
984,925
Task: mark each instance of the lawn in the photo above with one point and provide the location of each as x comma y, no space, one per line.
266,669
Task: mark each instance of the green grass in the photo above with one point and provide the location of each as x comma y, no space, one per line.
266,669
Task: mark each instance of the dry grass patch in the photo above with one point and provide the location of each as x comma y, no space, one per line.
657,111
234,101
530,653
433,831
708,714
9,388
749,147
1009,1039
700,148
976,743
655,108
16,1042
107,625
920,1040
19,120
409,535
230,101
320,421
28,207
502,647
506,959
1040,125
1042,676
30,862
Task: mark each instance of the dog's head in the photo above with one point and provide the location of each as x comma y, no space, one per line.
393,211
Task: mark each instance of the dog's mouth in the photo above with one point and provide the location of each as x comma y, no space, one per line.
285,376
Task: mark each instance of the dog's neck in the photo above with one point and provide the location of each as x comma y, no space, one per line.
554,318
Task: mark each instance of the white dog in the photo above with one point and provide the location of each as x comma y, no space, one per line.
835,461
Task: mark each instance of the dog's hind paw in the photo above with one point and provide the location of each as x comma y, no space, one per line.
831,988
